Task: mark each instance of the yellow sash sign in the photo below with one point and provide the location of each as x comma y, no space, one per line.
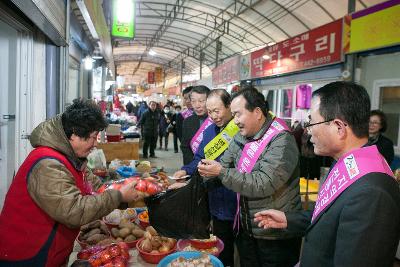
220,143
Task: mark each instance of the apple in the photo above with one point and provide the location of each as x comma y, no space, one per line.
152,188
141,186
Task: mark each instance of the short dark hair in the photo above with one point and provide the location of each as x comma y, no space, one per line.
254,99
200,89
223,95
382,117
348,102
187,90
178,106
82,118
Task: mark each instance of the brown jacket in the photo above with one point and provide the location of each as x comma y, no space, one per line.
53,188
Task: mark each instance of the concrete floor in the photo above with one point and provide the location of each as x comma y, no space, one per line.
169,160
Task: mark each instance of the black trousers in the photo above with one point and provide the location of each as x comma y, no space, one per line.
149,141
175,141
267,253
224,231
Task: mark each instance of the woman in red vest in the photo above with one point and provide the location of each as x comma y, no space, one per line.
52,194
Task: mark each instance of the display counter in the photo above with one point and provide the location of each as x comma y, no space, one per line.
124,150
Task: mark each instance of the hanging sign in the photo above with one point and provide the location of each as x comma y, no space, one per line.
150,77
227,72
318,47
375,27
123,22
158,74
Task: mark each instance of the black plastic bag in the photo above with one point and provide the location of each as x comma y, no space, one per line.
181,213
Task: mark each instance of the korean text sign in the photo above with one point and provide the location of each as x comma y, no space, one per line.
320,46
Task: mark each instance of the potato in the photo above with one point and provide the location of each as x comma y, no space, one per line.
138,233
129,225
119,239
103,228
106,242
115,232
91,233
130,238
91,225
124,232
94,239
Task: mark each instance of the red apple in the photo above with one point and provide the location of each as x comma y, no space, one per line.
152,188
141,186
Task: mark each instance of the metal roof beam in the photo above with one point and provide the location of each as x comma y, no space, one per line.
163,27
214,35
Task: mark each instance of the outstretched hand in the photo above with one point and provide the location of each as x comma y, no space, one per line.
271,219
129,193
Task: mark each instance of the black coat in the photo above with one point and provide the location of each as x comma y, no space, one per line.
189,128
360,228
385,147
149,122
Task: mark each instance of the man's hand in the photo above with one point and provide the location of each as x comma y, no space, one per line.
176,185
129,193
209,168
179,173
271,219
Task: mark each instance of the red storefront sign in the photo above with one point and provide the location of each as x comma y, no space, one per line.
227,72
150,77
318,47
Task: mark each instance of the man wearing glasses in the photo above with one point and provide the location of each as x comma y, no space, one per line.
356,219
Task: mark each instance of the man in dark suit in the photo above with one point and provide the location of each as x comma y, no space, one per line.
356,220
191,125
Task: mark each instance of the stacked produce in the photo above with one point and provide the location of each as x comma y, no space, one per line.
204,261
116,255
127,232
93,233
153,243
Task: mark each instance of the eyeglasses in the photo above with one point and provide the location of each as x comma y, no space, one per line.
374,123
308,124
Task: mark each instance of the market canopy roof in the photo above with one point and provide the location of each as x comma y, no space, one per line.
186,30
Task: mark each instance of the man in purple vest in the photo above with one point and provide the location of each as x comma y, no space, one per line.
356,219
261,165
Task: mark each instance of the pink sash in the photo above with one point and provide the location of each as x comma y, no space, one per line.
347,170
187,113
198,137
252,151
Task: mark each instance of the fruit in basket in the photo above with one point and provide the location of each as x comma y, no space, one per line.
148,187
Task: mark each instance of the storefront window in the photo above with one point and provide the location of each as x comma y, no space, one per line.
389,103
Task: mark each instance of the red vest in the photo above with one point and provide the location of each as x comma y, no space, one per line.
28,235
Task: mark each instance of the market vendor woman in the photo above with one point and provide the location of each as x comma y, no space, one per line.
52,193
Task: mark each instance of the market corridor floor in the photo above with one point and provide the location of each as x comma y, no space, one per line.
169,160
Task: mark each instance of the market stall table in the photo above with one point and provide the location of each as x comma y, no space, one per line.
120,150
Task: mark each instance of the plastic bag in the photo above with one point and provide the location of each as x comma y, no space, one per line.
97,159
181,213
126,171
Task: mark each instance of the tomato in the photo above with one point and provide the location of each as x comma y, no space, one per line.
115,250
141,186
119,262
105,256
152,188
108,264
123,246
84,255
124,254
95,261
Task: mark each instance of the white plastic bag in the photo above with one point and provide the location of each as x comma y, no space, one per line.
97,159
